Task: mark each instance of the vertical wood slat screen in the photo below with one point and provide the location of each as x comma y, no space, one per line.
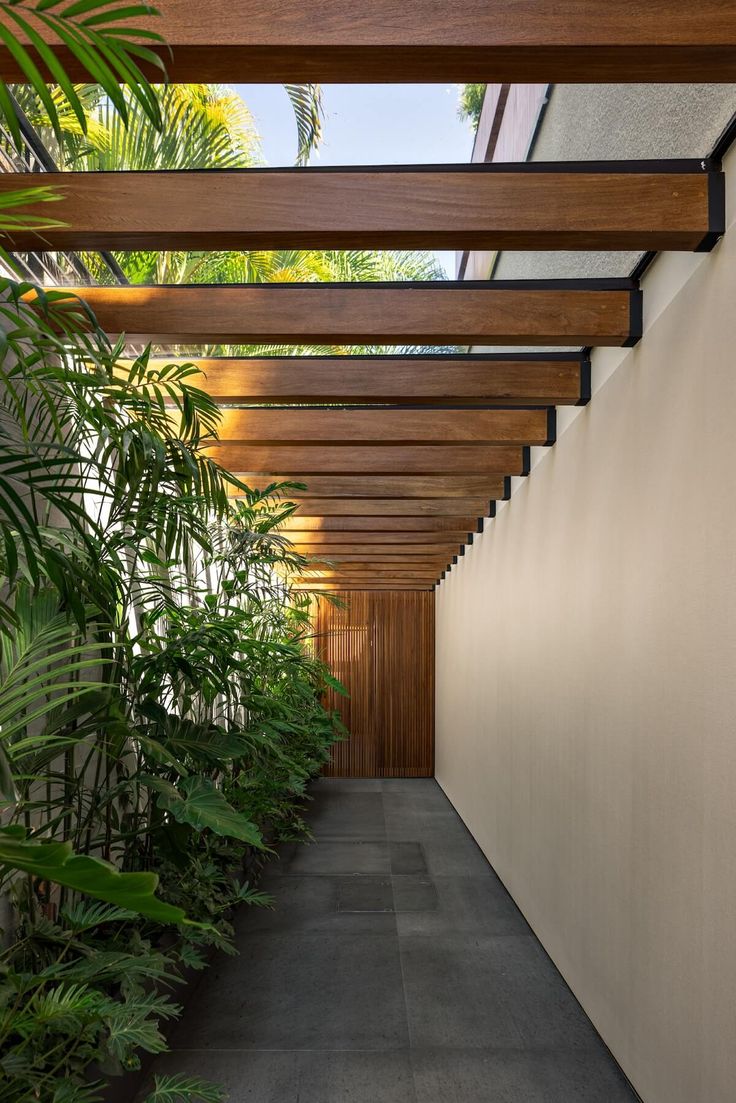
381,647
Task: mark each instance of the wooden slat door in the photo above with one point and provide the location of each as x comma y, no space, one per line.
381,647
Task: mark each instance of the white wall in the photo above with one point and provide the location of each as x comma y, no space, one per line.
586,689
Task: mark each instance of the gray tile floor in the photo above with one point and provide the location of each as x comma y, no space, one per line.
395,969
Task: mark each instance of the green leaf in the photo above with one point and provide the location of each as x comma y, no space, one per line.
55,861
333,683
200,804
7,785
184,1089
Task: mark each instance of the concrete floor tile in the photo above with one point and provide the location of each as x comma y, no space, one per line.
346,785
340,815
477,991
356,1078
414,894
301,991
309,903
407,858
333,857
290,1076
365,894
247,1077
454,857
448,999
477,905
518,1076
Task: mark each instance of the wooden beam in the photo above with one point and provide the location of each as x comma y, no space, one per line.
369,579
348,587
317,540
431,562
404,513
609,205
344,459
418,509
381,486
337,425
303,523
545,379
393,574
516,312
444,548
382,571
427,579
472,40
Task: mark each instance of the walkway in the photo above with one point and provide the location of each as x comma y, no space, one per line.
395,969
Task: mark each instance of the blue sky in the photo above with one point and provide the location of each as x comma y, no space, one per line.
369,124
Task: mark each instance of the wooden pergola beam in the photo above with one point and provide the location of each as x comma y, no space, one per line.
559,379
394,540
472,40
430,562
394,574
349,587
517,312
389,487
612,205
444,549
337,425
305,460
420,509
302,523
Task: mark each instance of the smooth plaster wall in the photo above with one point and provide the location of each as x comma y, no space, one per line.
586,689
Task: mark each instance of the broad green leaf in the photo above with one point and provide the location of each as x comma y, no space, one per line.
55,861
200,804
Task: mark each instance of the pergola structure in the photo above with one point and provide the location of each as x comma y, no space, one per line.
471,40
402,456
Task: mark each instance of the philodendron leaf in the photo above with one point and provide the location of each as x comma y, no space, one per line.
55,861
199,803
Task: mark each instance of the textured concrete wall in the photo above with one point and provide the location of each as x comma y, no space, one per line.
586,689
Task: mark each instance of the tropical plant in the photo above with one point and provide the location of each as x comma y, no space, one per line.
160,709
470,102
201,126
159,704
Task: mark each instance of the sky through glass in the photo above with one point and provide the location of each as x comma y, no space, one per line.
368,124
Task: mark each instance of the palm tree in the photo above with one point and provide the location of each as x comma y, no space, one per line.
202,126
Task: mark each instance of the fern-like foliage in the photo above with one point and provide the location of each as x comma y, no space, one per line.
184,1089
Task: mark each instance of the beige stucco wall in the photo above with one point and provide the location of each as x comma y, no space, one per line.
586,689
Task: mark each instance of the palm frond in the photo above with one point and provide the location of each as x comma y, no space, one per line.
96,34
306,100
